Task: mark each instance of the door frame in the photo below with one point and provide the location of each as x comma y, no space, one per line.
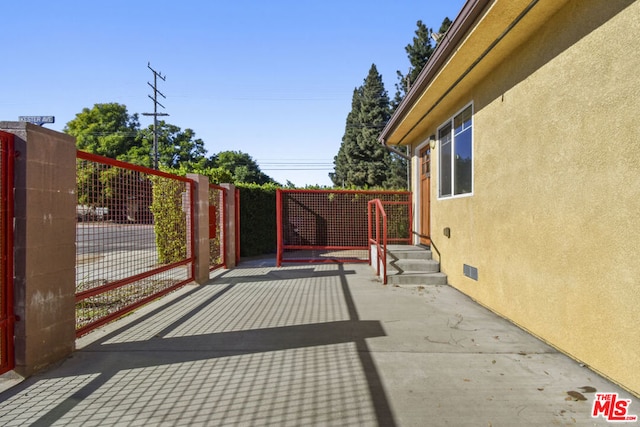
424,200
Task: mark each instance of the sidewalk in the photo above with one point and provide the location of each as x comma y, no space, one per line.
309,345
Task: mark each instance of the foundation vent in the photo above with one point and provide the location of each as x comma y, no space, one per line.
470,272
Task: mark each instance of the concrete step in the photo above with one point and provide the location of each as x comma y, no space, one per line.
412,265
407,252
417,279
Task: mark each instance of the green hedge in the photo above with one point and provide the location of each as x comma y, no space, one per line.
257,219
170,220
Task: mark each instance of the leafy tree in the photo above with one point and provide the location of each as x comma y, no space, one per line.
361,160
176,148
109,130
105,129
215,175
241,166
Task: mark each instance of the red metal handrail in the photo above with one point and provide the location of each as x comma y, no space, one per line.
378,237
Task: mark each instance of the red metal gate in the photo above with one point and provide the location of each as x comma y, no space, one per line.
134,237
6,250
217,220
331,225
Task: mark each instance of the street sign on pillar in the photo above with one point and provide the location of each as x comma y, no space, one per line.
37,120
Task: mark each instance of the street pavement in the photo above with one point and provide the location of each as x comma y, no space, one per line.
309,345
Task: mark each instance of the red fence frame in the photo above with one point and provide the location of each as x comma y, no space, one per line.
237,230
355,220
378,236
7,317
113,285
217,223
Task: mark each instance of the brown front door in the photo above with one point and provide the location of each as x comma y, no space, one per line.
425,195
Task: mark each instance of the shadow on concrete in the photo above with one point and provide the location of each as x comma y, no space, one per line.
317,372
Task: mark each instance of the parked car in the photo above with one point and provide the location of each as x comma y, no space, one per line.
91,213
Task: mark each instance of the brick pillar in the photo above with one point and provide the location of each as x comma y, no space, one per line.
230,226
201,228
45,253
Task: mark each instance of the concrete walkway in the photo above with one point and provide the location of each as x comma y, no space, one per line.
309,345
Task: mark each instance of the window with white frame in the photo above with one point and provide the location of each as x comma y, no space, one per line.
456,155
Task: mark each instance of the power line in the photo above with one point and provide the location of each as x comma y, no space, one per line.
297,169
294,163
314,164
155,113
330,160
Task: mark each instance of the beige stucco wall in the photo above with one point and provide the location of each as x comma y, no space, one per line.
553,225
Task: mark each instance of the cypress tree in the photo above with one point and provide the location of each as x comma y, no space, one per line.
418,54
341,160
362,161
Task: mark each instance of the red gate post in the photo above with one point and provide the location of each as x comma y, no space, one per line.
7,317
45,252
279,227
201,228
237,223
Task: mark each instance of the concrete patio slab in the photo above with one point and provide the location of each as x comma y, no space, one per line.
310,345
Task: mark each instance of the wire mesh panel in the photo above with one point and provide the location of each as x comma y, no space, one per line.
399,215
6,252
133,237
327,225
217,203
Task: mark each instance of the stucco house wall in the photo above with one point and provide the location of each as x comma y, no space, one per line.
553,224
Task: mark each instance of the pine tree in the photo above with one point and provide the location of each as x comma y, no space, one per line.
418,53
362,161
341,160
444,27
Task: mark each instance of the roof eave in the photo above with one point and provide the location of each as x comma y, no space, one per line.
470,12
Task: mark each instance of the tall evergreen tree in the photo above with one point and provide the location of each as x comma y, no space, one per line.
444,27
339,177
362,161
418,54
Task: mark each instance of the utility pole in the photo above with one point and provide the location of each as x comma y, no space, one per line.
155,113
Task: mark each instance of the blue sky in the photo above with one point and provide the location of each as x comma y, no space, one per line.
272,79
